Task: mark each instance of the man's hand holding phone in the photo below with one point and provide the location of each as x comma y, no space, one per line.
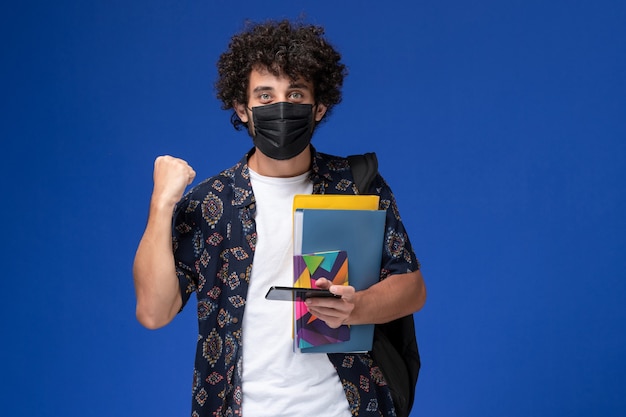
333,311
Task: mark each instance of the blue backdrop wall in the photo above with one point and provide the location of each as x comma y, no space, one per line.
500,125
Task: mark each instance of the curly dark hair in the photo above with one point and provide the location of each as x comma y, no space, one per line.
293,49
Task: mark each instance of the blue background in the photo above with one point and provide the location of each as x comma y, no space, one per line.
500,125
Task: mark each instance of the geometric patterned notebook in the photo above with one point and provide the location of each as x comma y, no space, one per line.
332,265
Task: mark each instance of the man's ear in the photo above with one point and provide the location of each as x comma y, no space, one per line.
320,111
241,111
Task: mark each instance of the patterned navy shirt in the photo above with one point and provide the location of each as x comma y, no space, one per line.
214,241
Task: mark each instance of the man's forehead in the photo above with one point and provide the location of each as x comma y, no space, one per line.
262,77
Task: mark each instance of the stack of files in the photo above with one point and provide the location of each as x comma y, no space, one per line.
342,223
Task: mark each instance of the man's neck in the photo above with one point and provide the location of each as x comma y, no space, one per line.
287,168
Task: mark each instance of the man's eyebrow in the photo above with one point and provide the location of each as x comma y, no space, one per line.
302,86
262,88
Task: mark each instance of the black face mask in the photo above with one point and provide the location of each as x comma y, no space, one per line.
282,130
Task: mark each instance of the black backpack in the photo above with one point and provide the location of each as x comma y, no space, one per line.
395,346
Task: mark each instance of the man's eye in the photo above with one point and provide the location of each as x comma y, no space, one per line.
296,96
264,97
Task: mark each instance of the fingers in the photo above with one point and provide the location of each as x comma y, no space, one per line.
171,177
333,311
345,291
333,317
167,163
332,307
342,290
323,283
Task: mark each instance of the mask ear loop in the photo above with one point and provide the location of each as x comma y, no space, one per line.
248,124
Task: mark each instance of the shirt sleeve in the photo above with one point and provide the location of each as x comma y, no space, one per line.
186,238
398,256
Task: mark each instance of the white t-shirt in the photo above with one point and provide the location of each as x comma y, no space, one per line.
276,380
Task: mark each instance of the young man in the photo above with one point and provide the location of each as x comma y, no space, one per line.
231,238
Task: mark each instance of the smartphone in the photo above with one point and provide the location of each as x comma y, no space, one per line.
297,294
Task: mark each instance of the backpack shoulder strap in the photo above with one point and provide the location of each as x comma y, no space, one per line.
364,169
